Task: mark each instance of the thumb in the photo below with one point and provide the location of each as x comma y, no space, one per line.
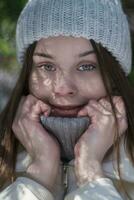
83,112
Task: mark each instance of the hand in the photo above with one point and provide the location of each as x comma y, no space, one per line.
43,148
98,138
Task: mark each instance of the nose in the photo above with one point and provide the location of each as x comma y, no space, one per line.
65,87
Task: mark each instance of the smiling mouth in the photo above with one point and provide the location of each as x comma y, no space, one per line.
65,111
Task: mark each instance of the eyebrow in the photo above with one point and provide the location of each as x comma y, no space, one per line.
51,57
86,53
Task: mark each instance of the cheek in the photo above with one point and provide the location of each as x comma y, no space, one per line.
40,85
93,87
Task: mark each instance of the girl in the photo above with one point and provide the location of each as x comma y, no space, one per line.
67,130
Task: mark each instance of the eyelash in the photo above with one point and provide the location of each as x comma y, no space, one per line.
92,67
43,66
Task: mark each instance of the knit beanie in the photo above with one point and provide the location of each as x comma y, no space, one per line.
101,20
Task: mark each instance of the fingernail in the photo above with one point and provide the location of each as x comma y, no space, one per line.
46,114
80,113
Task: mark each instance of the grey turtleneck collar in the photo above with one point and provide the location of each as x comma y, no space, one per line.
67,131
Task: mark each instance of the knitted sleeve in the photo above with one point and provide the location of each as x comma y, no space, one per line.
25,189
100,189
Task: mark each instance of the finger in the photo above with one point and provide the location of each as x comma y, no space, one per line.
38,109
86,110
83,112
106,104
93,114
100,108
29,102
119,105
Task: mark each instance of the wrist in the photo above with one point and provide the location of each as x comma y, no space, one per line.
92,173
42,174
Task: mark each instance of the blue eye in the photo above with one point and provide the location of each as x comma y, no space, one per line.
86,67
48,67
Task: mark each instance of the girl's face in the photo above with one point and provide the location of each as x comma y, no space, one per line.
65,73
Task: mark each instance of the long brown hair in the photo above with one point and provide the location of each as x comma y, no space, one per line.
8,142
113,75
115,82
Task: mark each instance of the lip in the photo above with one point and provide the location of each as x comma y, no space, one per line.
68,110
66,107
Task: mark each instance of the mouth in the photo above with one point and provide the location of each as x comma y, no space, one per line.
65,111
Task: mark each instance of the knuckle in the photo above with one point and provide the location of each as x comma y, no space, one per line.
117,99
29,96
15,126
39,103
33,106
103,101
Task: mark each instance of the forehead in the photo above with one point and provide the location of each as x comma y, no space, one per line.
64,44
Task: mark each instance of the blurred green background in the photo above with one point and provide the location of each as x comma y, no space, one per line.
9,12
9,68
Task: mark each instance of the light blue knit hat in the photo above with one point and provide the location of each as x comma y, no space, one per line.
101,20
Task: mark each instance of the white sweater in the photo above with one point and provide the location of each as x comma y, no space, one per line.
102,189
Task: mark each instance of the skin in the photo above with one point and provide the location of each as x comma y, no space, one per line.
66,80
67,85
